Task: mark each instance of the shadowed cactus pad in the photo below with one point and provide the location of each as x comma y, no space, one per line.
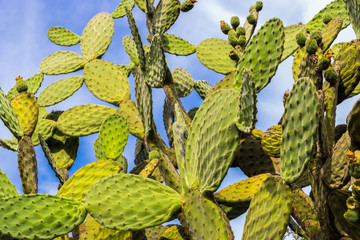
40,216
62,62
8,116
63,37
183,82
145,203
166,13
353,9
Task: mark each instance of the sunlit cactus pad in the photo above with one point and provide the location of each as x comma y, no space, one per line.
39,216
7,189
183,81
62,62
290,44
120,11
176,45
62,36
129,111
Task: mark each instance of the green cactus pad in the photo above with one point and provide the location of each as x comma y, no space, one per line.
26,108
106,81
298,60
120,10
8,144
249,27
207,161
270,141
330,32
9,117
337,47
62,36
166,13
113,136
97,36
83,120
79,183
155,64
176,45
33,83
353,9
246,117
353,124
213,53
226,83
142,4
203,88
132,202
290,44
40,216
263,55
140,152
202,214
149,168
45,127
126,68
175,232
242,191
61,63
7,189
269,212
336,8
183,81
299,129
59,91
128,110
130,48
179,145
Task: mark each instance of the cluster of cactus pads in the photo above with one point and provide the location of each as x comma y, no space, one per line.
179,177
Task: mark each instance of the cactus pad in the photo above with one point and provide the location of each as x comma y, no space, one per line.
33,83
97,36
83,120
270,141
155,64
269,212
290,44
299,129
7,189
166,13
353,9
59,91
9,117
63,37
132,202
106,81
176,45
330,32
263,55
142,4
203,88
40,216
45,127
128,110
183,82
120,10
130,48
62,62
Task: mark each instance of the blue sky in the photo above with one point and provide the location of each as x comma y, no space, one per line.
23,45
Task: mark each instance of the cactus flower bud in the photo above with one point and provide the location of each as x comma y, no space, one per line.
233,40
258,6
187,5
316,35
225,28
21,85
235,22
324,63
242,40
240,31
352,216
311,46
327,18
301,39
330,75
251,19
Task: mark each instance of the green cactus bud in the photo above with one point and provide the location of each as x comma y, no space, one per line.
233,40
154,154
251,19
187,5
327,18
316,35
252,7
301,39
258,6
21,85
311,46
235,21
240,31
225,28
242,40
331,75
352,216
324,63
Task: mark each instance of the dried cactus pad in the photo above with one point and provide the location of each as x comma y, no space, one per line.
63,37
39,216
269,212
79,183
213,53
106,81
7,189
299,129
8,116
97,36
131,202
59,91
183,81
83,120
61,63
213,140
120,10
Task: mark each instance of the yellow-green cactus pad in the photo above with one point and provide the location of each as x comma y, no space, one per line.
250,28
100,155
213,141
299,129
79,183
263,55
166,13
62,36
290,44
203,88
114,132
131,202
62,62
270,141
176,45
128,110
353,124
40,216
330,32
336,8
155,64
97,36
10,144
213,53
83,120
9,117
226,83
130,48
59,91
353,9
26,108
183,81
242,191
106,81
120,10
202,214
337,47
45,127
7,189
33,84
175,232
269,212
149,168
298,59
142,4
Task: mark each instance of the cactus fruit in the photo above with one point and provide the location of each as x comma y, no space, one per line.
235,21
187,5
